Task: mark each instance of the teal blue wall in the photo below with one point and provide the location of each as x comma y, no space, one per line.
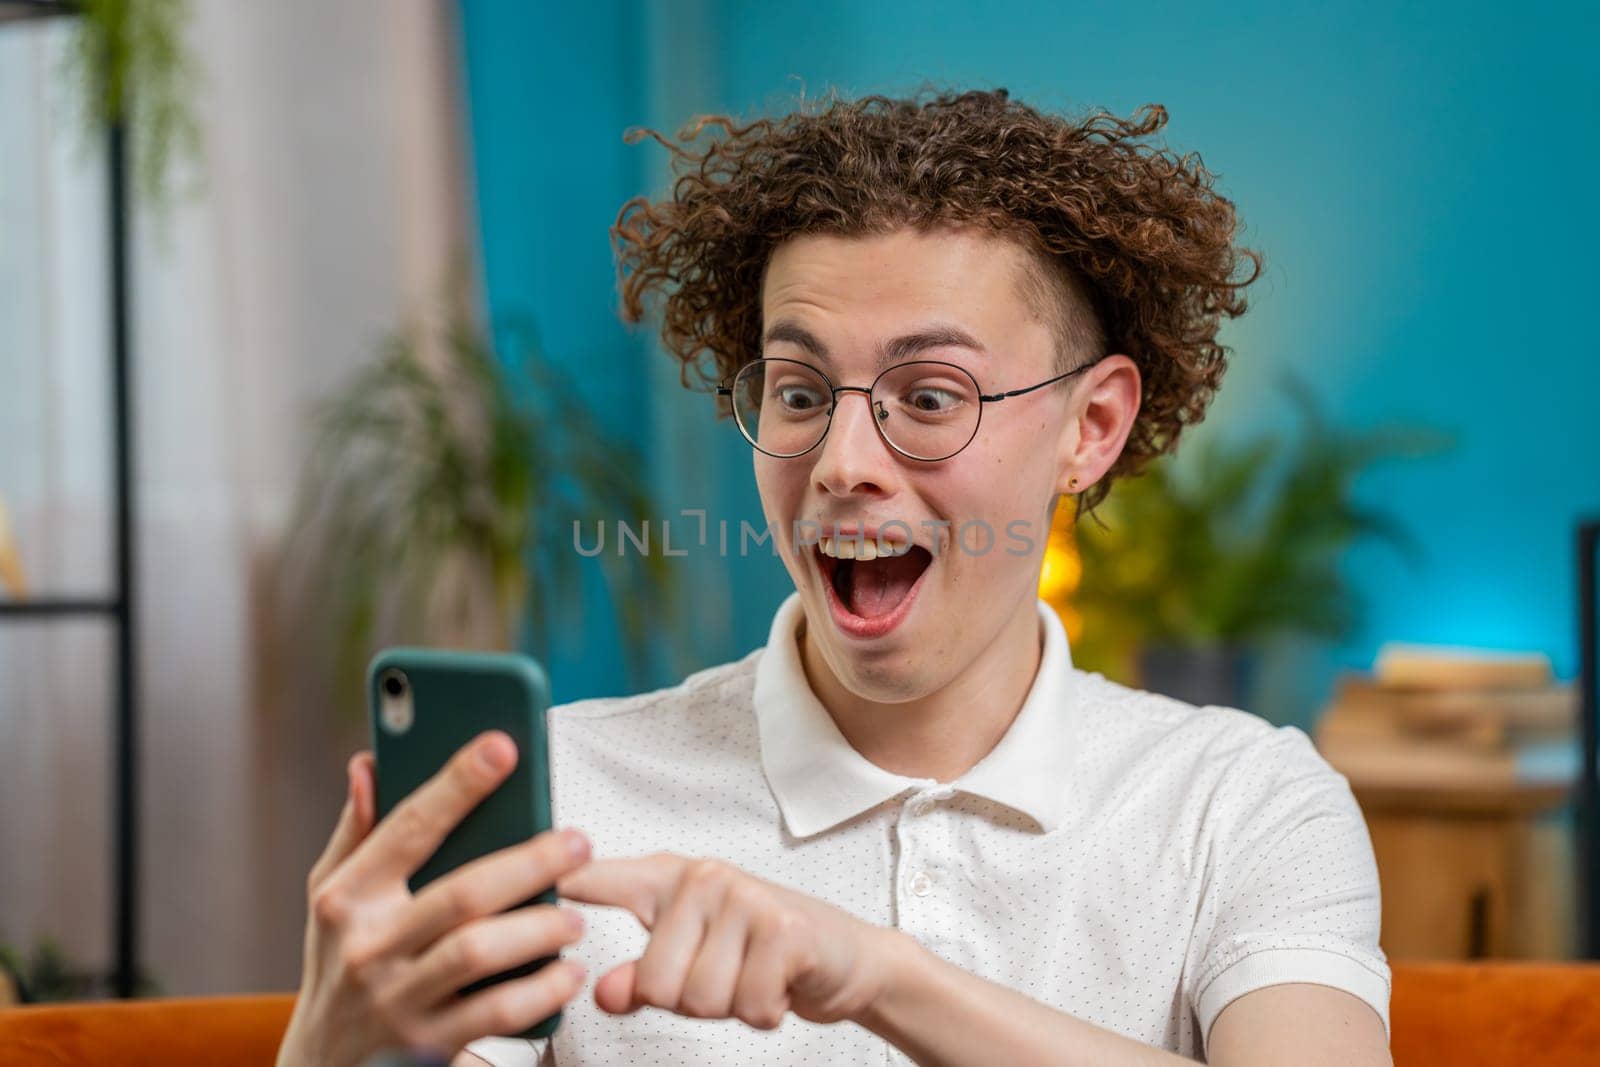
1419,180
548,91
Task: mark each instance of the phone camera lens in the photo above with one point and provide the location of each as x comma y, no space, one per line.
395,699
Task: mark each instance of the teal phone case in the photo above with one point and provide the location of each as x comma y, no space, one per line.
455,697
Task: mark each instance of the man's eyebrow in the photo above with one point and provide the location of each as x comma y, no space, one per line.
937,335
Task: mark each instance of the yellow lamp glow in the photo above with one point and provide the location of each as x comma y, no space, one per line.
1063,569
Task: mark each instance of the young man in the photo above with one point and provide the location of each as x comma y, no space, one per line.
908,829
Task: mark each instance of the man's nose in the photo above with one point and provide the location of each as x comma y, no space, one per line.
854,458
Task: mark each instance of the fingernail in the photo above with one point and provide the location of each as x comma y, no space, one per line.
496,752
576,969
577,845
574,922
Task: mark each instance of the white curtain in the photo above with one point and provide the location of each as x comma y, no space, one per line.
331,208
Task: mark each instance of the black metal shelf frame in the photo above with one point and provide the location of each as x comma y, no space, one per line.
119,607
59,607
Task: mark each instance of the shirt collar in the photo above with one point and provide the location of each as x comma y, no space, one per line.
819,781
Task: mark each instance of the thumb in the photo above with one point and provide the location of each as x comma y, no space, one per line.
617,991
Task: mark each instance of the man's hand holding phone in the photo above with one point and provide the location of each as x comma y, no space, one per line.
383,965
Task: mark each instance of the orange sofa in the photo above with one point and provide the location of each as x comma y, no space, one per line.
1455,1014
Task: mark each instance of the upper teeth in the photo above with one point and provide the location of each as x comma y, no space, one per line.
865,548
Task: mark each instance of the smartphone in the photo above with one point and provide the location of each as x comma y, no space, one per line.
424,705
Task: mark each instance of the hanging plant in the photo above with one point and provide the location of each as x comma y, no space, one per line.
129,64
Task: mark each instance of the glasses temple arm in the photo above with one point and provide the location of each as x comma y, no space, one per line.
1049,381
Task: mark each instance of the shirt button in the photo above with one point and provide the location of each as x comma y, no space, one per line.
921,884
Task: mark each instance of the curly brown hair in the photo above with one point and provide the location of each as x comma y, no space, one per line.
1130,249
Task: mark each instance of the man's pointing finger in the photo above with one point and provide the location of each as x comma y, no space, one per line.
639,885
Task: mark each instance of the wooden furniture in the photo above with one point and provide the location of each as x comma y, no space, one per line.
1448,754
1472,873
1464,1015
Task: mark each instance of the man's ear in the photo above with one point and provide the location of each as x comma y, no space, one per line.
1101,415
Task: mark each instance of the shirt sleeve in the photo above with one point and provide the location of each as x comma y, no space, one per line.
513,1051
1293,886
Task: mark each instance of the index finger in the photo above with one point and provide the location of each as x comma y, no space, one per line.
639,885
404,840
355,821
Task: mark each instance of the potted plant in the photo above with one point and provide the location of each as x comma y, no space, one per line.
1190,570
438,500
48,975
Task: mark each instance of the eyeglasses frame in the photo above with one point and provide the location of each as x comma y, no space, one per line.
877,423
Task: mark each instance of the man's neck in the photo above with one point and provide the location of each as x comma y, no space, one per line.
946,733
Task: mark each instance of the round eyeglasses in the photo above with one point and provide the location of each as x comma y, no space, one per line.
925,410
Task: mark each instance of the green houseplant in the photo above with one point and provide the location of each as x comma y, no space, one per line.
48,974
1190,570
438,500
129,63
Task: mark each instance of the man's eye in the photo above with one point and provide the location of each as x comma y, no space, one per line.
931,400
798,397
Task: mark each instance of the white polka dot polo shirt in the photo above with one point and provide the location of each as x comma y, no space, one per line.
1125,857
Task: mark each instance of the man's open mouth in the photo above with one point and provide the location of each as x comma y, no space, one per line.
870,587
